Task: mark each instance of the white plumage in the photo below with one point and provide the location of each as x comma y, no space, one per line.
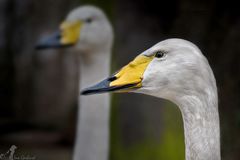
94,46
87,31
176,70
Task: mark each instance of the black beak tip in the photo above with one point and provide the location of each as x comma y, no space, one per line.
39,47
86,92
51,41
104,87
83,93
96,89
52,46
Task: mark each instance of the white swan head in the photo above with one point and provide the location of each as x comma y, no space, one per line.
85,28
172,68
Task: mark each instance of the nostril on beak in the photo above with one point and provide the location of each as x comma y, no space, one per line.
110,79
59,36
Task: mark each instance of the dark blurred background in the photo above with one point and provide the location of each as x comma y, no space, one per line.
39,90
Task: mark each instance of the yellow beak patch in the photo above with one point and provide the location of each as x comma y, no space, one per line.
70,32
133,72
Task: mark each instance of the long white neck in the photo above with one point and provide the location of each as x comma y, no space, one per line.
201,126
92,139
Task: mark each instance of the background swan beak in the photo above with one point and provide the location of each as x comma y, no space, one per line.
53,41
68,35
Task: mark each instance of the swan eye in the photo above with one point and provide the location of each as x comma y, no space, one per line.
88,20
159,54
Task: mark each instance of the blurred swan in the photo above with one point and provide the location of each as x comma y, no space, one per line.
87,31
176,70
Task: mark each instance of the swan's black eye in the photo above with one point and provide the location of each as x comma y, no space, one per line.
159,54
89,20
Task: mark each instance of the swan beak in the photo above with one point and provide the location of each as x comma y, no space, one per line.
129,78
68,35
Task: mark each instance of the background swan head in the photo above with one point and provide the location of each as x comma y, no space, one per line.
85,28
170,69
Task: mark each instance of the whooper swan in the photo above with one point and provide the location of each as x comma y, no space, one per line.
87,31
176,70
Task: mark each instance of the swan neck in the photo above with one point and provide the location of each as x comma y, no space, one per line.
201,127
92,141
94,66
